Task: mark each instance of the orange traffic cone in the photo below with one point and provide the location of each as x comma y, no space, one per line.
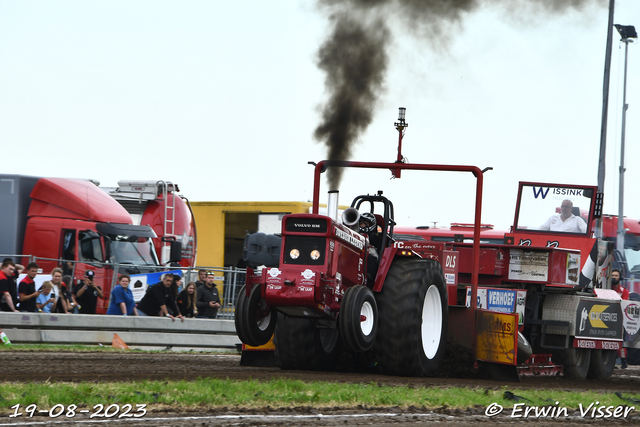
118,343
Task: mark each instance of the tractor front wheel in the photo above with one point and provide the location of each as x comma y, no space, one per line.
239,316
413,318
358,318
260,319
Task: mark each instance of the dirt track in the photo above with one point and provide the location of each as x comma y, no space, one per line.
107,367
27,366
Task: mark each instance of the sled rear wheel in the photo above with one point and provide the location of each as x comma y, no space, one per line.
575,362
602,364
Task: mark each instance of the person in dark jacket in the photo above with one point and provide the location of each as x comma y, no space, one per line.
87,294
202,278
187,300
208,301
159,301
27,289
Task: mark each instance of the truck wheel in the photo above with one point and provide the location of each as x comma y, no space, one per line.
358,318
413,318
260,319
239,316
575,362
602,364
300,345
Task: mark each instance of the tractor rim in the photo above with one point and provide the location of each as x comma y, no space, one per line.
431,322
263,322
367,325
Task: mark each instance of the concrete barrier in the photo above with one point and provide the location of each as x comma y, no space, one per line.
89,329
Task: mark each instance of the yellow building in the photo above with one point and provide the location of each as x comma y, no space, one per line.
222,226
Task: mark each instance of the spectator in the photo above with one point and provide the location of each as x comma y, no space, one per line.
616,285
202,278
46,299
72,305
87,294
122,302
7,286
27,289
62,305
208,300
187,300
158,300
176,285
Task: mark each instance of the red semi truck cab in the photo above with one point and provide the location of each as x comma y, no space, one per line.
158,205
71,223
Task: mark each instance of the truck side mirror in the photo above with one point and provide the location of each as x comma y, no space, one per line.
175,254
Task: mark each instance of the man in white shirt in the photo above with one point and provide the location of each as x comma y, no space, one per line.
565,221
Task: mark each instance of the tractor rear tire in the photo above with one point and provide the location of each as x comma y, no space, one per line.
358,318
413,318
260,320
602,364
575,362
300,345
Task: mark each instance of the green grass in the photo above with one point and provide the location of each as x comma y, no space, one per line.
203,394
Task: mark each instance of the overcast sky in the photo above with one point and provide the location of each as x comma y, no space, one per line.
223,98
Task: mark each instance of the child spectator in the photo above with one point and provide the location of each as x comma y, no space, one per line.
46,299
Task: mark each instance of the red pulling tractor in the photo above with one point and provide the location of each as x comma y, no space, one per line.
533,305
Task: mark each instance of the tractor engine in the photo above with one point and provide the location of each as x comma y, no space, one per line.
319,259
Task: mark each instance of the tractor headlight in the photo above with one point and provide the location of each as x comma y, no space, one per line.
294,254
315,254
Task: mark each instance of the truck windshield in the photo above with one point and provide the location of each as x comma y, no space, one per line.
139,252
552,208
633,260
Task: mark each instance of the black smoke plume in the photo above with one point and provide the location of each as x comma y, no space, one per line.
355,56
355,61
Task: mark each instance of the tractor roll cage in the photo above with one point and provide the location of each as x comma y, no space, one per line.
388,215
322,167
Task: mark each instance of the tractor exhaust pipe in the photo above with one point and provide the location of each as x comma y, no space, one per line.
332,205
350,217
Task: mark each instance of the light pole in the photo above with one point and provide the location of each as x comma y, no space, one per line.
400,125
603,124
628,33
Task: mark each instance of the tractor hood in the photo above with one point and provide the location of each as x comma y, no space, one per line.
75,199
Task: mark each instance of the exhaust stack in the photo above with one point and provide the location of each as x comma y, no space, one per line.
350,218
332,205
